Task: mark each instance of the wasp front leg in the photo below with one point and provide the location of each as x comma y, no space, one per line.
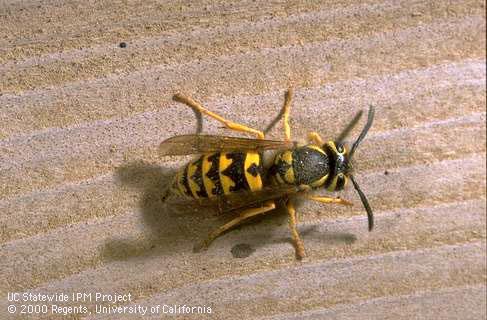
252,212
298,243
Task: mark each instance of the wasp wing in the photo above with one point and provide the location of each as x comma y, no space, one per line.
196,143
240,199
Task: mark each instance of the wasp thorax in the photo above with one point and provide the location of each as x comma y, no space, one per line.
306,165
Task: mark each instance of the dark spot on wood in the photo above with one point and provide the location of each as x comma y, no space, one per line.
122,45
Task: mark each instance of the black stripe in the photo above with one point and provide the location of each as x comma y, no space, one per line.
197,177
185,182
235,171
214,175
254,170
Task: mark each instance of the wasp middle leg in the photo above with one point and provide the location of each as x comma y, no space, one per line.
229,124
268,206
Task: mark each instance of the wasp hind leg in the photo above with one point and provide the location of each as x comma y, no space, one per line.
235,222
298,243
229,124
287,110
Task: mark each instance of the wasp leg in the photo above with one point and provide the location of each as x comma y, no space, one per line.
330,200
287,109
243,216
315,138
229,124
298,243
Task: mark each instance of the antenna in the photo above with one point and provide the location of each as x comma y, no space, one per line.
365,202
361,137
349,128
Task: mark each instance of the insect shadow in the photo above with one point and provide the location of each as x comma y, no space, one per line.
164,229
273,230
150,181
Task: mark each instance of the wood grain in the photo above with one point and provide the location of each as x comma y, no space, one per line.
80,177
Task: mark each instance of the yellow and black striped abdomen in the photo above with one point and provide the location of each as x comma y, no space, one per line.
216,174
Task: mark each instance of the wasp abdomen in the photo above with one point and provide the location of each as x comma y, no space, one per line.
219,173
308,165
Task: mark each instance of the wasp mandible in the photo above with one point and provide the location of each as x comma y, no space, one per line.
231,175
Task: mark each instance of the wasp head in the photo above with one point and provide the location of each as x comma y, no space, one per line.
339,165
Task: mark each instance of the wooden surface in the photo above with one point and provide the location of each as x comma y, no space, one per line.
80,176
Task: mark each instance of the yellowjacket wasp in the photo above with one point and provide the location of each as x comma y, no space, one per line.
230,173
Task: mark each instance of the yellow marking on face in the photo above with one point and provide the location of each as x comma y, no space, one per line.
209,185
225,181
319,182
255,183
193,186
332,145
